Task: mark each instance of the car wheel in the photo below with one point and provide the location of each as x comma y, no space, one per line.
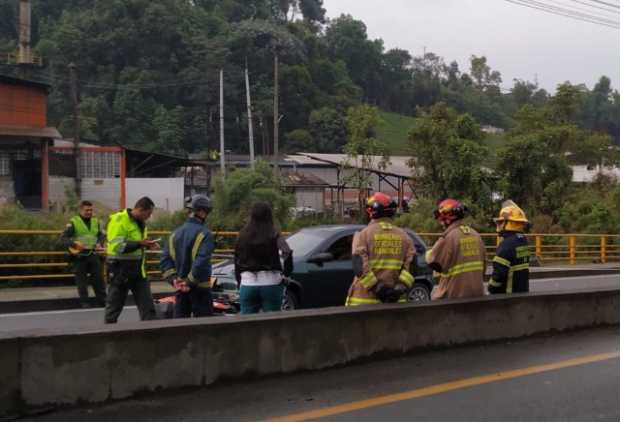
419,293
290,301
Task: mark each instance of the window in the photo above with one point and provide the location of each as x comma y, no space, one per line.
341,248
99,165
5,164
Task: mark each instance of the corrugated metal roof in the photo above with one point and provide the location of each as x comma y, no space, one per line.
44,132
397,166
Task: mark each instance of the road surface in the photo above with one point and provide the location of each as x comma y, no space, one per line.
94,317
569,377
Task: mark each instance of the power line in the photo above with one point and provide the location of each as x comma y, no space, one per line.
606,4
595,21
572,12
596,7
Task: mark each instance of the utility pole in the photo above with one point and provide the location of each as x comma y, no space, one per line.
222,150
250,124
76,129
276,116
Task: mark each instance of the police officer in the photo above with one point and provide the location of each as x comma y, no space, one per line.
83,238
382,256
186,262
127,245
511,264
459,255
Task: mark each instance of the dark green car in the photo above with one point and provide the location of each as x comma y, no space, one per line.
323,269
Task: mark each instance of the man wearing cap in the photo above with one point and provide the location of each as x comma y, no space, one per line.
186,262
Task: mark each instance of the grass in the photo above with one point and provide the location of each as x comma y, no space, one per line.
394,131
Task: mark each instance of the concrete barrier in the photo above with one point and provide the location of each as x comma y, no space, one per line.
41,368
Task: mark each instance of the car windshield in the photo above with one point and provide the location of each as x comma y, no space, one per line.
304,242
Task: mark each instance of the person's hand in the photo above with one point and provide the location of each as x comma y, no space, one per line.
149,244
180,285
99,249
79,246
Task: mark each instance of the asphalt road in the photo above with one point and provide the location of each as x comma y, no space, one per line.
94,317
569,377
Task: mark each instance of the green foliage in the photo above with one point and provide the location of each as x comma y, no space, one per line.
234,197
448,156
328,130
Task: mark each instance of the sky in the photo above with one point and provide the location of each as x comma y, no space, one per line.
519,42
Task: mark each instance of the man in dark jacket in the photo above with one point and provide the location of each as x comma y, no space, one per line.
83,238
511,273
186,262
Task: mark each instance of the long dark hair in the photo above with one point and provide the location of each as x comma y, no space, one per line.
260,229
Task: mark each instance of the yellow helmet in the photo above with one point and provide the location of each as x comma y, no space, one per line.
513,216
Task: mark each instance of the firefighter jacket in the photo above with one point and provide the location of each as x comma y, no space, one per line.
187,254
386,253
511,265
460,257
124,236
87,231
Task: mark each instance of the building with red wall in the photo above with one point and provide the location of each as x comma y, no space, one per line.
25,139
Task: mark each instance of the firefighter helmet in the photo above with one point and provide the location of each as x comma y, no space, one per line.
380,205
449,211
511,218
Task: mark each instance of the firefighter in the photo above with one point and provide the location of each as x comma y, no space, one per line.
382,256
83,238
511,265
127,245
186,262
459,256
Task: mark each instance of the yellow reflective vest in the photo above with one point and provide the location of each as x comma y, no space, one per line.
122,228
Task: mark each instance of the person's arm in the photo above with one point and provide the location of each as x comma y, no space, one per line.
67,236
201,258
501,267
405,276
167,263
237,262
438,258
361,264
287,255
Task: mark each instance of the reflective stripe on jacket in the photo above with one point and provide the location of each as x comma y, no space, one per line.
187,254
511,265
386,252
122,229
460,257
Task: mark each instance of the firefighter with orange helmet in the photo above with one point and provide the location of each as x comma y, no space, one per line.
459,256
382,255
511,265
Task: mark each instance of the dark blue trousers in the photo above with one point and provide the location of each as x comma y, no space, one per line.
197,302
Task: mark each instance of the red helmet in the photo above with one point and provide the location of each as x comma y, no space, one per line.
380,205
450,210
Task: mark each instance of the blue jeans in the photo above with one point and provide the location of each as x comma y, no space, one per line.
256,298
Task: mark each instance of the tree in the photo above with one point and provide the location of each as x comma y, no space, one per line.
328,129
364,151
448,156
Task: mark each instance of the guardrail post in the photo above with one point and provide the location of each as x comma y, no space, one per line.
572,249
539,247
603,249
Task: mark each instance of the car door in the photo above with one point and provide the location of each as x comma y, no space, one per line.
328,282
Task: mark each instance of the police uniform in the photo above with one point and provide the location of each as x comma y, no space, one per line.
459,256
511,265
385,252
187,256
127,267
86,264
